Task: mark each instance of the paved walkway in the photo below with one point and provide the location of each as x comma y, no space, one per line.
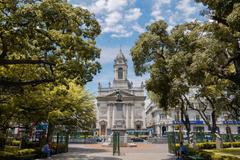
97,152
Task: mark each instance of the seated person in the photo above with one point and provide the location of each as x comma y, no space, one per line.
179,156
182,150
46,149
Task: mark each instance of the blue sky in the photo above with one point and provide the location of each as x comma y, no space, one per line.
122,21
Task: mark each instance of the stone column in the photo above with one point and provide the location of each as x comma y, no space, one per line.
108,116
132,117
113,114
127,116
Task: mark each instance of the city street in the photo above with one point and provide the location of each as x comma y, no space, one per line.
97,152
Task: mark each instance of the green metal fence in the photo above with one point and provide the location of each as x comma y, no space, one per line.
116,143
173,139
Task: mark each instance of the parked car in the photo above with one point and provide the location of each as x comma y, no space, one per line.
137,139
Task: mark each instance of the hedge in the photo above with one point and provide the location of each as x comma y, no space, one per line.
212,145
15,143
9,154
220,154
206,145
208,151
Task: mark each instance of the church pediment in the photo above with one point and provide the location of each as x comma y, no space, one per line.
122,92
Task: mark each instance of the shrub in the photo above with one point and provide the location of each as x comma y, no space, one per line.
212,145
206,145
6,155
236,144
227,145
223,154
26,151
15,143
237,137
11,149
205,155
17,154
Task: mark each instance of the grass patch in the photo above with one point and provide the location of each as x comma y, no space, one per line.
225,154
234,151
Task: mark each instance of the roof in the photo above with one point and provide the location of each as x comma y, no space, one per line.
120,56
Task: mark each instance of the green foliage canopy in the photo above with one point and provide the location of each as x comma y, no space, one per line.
44,41
69,105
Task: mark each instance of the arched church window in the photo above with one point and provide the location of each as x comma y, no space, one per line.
120,73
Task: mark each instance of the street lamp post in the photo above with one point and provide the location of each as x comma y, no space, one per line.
117,130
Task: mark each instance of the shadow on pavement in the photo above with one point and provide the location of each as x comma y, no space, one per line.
83,157
86,150
170,159
81,153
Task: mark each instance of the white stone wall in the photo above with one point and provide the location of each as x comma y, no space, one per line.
132,111
157,121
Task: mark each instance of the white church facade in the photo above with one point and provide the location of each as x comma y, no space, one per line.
120,105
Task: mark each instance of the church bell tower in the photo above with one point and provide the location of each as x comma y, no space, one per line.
120,71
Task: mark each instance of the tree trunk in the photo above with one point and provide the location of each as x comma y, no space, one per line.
3,137
184,115
186,122
50,132
214,119
67,140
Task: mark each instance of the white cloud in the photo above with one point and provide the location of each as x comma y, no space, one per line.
174,12
114,16
116,29
136,27
186,7
161,2
172,19
157,8
113,5
133,14
122,35
156,13
98,7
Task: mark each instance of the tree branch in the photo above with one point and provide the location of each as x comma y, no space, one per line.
8,83
220,20
4,48
205,108
231,59
202,114
25,61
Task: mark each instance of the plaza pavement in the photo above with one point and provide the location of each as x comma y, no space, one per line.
98,152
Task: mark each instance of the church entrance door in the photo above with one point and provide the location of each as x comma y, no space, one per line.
103,129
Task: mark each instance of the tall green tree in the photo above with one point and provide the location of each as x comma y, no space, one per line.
66,106
46,41
152,53
225,29
188,57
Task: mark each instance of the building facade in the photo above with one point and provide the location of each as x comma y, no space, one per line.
120,105
159,121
